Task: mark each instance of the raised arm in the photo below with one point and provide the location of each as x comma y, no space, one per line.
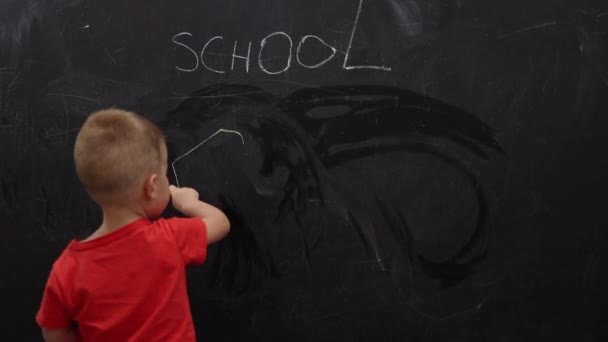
186,201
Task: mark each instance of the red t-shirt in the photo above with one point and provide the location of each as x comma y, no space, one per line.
129,285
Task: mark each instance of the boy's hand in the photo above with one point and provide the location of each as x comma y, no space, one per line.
183,198
186,201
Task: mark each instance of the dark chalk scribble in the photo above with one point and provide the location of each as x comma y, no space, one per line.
19,19
285,176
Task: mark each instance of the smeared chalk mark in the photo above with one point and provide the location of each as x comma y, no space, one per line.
80,111
66,108
527,29
310,85
212,96
62,133
379,261
76,97
110,56
222,130
408,16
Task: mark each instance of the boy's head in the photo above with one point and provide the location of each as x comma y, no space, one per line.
121,157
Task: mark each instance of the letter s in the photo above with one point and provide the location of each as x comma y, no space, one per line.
187,47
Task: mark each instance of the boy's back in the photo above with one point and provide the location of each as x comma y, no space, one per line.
127,281
128,285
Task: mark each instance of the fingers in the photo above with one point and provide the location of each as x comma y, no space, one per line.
195,193
173,190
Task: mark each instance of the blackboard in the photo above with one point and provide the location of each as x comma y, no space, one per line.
394,170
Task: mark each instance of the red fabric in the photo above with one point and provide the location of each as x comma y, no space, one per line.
129,285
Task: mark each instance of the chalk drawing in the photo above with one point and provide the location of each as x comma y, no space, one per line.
220,131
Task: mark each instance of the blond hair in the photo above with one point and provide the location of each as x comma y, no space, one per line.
114,151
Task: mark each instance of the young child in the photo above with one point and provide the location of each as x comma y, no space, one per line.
127,281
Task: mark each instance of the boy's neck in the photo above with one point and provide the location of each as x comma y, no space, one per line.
114,218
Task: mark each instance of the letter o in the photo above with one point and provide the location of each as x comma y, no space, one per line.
320,64
263,43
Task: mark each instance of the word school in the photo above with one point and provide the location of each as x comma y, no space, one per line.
199,59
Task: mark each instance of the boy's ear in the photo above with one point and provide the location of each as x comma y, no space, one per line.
150,186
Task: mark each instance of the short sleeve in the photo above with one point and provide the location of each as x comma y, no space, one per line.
191,238
52,313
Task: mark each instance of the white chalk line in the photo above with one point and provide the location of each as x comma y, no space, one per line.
220,131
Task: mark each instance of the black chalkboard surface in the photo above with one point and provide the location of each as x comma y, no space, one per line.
399,170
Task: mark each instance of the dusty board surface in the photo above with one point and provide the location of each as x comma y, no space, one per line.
422,170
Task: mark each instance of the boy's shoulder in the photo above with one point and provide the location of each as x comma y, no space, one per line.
77,251
64,261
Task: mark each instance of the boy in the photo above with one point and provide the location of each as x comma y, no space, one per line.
127,282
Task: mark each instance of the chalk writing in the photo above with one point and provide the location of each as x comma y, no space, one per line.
263,43
174,39
346,63
205,50
321,63
246,58
350,45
